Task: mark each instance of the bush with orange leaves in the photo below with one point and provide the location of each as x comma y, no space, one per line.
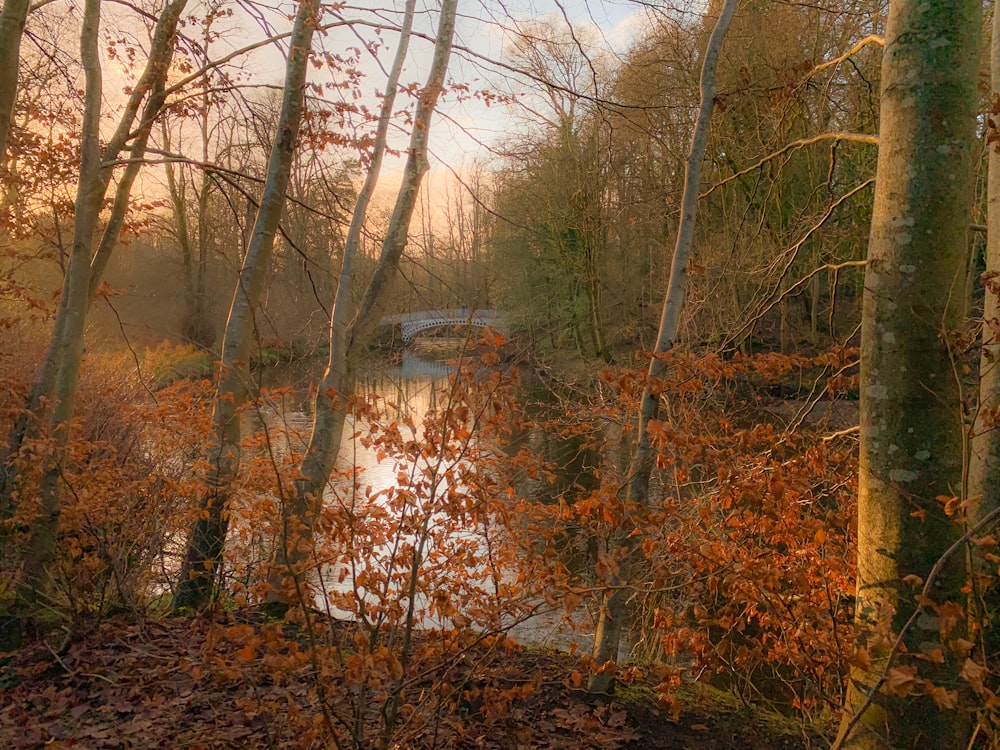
742,562
126,485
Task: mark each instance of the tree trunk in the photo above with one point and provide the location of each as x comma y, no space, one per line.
12,20
983,491
350,329
207,537
911,428
614,612
59,374
67,337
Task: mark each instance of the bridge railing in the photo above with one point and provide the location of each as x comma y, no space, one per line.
460,313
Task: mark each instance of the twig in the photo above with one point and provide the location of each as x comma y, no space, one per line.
848,729
841,433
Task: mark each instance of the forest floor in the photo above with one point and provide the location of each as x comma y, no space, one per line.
200,684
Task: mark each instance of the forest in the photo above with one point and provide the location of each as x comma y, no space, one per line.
594,374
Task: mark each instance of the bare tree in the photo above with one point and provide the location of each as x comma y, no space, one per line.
614,610
56,382
352,327
207,538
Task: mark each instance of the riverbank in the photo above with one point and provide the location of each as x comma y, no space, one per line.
238,681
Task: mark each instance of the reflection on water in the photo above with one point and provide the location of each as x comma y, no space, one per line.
406,391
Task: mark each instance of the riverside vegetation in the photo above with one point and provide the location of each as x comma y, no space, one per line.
738,450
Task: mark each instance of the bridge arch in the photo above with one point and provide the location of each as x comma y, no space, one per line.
412,324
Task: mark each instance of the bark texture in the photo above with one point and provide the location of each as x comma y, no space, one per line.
983,489
911,428
208,535
12,20
614,610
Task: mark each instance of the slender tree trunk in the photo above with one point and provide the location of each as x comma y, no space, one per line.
200,329
67,338
12,20
195,327
207,538
59,374
91,190
176,190
911,426
614,612
350,329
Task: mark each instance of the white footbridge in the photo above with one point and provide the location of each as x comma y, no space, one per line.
414,323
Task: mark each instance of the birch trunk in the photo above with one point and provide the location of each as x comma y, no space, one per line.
207,537
614,610
351,329
911,429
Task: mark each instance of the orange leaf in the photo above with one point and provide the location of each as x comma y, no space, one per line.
973,674
962,647
571,601
899,681
944,698
861,659
934,656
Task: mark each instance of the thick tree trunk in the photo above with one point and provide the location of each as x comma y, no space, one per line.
983,489
208,535
12,20
350,329
911,427
614,612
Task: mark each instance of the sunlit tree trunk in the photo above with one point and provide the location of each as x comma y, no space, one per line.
59,374
12,20
207,537
614,611
983,489
352,328
911,426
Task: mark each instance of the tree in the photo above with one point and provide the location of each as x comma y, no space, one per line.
983,491
614,613
553,197
911,426
56,381
207,538
12,20
196,326
792,74
352,326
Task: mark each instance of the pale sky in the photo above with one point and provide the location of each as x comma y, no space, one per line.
485,28
462,131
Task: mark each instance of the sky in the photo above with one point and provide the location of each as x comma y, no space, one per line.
462,130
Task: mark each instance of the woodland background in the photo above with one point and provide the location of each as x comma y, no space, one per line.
737,432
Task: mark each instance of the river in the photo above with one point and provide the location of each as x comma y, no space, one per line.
400,505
